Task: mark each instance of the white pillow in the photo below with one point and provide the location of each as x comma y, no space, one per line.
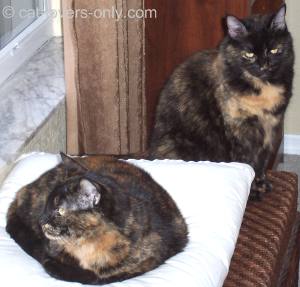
212,198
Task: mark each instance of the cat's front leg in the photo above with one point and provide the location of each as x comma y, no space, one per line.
260,186
69,273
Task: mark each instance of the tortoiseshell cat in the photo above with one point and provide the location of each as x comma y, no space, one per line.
96,221
228,104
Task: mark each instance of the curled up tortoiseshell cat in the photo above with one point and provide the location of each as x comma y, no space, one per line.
96,220
228,104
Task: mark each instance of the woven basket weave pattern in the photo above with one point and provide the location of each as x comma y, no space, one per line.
260,257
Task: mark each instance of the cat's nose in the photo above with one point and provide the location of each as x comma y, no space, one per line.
46,227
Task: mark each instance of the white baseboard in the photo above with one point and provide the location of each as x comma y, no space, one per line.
292,144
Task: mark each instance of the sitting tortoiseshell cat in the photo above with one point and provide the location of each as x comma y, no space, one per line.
228,104
96,221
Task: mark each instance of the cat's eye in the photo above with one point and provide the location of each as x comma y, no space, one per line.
248,55
61,211
274,51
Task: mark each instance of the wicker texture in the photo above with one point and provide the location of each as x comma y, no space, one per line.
290,272
261,251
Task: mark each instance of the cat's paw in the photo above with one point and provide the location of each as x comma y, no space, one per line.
69,273
51,267
268,186
259,187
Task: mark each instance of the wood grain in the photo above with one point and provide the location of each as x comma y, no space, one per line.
265,6
98,74
105,78
136,82
70,79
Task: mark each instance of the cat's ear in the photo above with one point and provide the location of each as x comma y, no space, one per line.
236,29
89,193
278,20
71,163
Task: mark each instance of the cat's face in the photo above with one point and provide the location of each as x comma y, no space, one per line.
260,46
69,212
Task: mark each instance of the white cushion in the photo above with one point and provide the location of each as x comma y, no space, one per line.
211,196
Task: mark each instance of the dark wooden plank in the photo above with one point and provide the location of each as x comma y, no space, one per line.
266,6
240,9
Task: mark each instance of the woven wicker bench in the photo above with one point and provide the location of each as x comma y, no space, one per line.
267,251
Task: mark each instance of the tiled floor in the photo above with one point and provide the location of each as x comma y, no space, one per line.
292,163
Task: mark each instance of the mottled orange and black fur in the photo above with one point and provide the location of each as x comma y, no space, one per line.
96,220
228,104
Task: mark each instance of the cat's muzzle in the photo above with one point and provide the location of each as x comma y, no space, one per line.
50,232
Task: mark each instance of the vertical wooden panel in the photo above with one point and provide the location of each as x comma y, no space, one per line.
99,115
71,73
105,111
136,73
123,79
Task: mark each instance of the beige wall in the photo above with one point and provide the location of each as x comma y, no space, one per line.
292,122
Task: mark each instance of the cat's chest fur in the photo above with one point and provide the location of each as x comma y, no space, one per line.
261,105
106,248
